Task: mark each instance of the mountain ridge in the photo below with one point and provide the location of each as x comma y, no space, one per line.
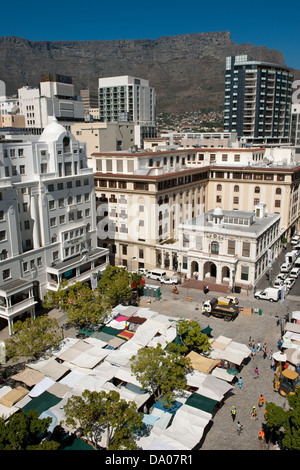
187,70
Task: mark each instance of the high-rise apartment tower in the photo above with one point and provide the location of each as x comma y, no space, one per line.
258,99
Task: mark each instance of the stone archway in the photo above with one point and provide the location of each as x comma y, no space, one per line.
210,271
225,274
194,270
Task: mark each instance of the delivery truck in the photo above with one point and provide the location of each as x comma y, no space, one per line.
212,307
270,293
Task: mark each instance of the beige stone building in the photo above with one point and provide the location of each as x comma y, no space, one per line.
143,197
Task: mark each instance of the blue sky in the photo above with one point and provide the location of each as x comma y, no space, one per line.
258,22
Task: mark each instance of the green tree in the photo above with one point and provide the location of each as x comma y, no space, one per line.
160,371
82,305
287,423
25,431
105,419
116,285
192,337
32,338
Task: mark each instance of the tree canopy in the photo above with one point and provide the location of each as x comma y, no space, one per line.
287,423
160,371
192,337
108,421
32,338
116,284
83,305
25,431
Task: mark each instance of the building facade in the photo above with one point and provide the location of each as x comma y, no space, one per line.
230,247
143,197
258,98
47,219
55,97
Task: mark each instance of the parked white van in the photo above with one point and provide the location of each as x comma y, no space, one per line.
157,274
271,294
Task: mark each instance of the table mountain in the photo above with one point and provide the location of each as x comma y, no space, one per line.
187,71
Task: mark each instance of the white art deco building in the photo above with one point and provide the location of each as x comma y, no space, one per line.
47,218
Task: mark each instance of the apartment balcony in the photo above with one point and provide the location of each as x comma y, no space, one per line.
16,298
77,269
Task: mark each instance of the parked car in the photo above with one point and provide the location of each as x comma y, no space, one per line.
169,280
142,271
295,273
289,282
282,276
285,267
295,240
278,283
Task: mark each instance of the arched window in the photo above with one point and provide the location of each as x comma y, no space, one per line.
278,191
236,189
214,248
3,255
66,144
257,189
219,187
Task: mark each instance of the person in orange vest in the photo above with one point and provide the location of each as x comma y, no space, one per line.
261,435
261,400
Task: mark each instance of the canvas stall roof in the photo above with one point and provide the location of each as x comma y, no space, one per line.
156,444
105,370
29,376
125,394
121,357
279,356
221,342
296,315
59,390
239,348
232,356
90,358
195,379
295,327
293,356
291,336
92,383
54,370
124,374
116,342
163,418
6,411
222,374
201,363
13,396
117,325
201,402
64,345
41,387
103,337
137,320
74,351
145,312
42,403
186,429
71,378
92,340
217,385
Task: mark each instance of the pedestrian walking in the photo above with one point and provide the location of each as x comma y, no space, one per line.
250,342
256,372
254,413
240,382
258,346
261,435
261,400
253,351
233,413
239,428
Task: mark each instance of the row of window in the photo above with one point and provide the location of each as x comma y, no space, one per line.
277,202
236,189
69,185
